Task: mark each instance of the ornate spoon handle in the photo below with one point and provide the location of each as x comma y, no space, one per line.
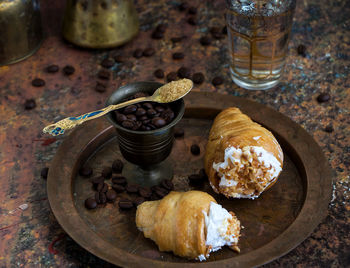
61,126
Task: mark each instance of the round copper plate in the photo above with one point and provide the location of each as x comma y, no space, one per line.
275,223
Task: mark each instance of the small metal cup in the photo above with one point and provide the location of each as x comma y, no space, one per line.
145,150
100,23
20,30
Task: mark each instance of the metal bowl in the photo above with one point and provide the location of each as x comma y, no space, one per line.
145,150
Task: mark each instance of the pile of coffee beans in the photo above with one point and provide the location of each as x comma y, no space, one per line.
109,192
144,116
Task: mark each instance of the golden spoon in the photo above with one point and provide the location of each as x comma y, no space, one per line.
167,93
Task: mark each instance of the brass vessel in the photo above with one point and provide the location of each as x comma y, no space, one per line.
100,23
145,151
20,30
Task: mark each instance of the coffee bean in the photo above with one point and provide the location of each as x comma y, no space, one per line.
151,126
98,187
97,180
138,201
168,115
167,184
154,197
111,195
119,58
140,112
138,53
107,63
184,72
195,150
147,105
137,125
159,108
195,179
144,119
117,166
148,52
100,198
205,41
224,30
179,132
161,28
145,128
118,188
101,187
132,188
202,174
129,124
100,87
323,97
145,192
104,74
178,55
160,191
157,35
52,68
68,70
29,104
131,117
183,6
119,180
214,30
90,203
159,73
151,113
38,82
217,81
192,21
125,203
198,78
106,172
172,76
104,188
158,122
130,109
301,49
192,11
85,171
120,117
44,173
329,129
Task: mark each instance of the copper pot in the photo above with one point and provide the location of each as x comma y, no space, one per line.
100,23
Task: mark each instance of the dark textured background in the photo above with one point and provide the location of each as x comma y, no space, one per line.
33,237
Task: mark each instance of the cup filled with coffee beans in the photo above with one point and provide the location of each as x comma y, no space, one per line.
145,132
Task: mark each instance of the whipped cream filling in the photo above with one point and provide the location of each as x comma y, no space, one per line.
234,155
219,232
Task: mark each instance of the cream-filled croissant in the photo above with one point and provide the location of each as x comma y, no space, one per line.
242,158
190,224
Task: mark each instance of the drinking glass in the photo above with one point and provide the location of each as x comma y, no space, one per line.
258,36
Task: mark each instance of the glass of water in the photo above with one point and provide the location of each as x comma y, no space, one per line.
259,32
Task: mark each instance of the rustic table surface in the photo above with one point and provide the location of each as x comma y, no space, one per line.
32,237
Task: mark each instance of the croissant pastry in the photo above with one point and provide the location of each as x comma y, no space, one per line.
242,158
191,224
